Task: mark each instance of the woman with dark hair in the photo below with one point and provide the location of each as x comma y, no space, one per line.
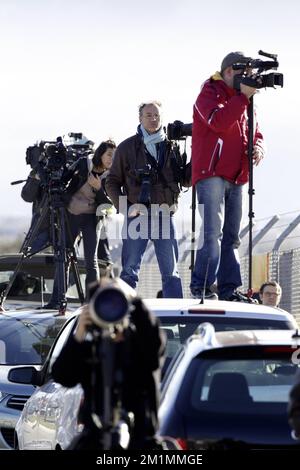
85,192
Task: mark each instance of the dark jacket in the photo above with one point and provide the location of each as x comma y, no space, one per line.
124,176
76,176
33,191
138,359
220,133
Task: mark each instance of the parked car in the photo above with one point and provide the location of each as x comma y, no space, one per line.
25,339
50,417
229,390
180,318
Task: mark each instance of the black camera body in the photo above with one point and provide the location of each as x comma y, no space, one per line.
143,176
258,79
177,130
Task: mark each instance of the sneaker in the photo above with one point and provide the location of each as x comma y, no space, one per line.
198,294
237,296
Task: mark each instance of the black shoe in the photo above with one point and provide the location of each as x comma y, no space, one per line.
198,294
49,306
237,296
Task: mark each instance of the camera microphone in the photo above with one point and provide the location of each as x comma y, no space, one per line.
18,182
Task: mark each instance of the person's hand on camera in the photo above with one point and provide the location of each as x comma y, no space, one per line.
140,314
94,181
84,322
248,91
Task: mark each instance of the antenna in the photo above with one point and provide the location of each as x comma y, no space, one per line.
205,282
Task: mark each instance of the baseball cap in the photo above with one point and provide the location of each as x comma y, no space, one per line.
234,58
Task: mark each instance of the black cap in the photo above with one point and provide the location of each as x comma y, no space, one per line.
234,58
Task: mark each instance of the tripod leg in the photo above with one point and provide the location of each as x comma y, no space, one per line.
60,258
25,249
72,259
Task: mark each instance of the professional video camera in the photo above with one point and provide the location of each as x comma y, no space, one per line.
48,159
110,303
177,130
258,77
62,152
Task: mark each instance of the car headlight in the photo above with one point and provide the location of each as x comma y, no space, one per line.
2,395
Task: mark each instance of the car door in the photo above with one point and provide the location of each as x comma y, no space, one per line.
38,424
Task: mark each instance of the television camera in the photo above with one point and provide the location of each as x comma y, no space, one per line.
52,157
258,77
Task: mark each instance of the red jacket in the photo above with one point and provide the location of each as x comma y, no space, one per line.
220,133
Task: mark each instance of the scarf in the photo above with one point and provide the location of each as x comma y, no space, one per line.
151,139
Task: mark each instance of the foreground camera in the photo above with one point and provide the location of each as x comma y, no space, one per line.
111,302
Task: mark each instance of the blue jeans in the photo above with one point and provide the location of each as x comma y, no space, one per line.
160,229
222,214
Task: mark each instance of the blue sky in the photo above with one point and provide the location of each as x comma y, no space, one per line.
86,65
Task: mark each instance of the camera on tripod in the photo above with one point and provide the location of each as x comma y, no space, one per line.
110,303
48,159
258,79
177,130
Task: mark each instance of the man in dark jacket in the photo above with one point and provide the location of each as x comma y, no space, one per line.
219,171
146,171
136,349
33,192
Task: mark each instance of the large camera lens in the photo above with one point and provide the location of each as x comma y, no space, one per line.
109,305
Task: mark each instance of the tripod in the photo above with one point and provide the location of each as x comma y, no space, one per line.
64,253
251,190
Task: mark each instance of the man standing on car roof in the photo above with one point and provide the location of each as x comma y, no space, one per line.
219,172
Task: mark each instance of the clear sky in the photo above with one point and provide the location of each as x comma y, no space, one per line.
85,65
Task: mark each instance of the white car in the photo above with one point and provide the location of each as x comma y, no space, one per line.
50,417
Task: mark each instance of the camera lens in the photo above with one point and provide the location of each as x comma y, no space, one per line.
108,306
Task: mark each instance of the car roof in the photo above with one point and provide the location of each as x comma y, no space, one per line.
192,307
36,314
257,337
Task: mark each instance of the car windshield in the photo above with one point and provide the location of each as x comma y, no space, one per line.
27,340
179,328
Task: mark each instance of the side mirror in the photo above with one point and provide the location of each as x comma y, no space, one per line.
25,375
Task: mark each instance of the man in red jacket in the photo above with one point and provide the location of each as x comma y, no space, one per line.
219,172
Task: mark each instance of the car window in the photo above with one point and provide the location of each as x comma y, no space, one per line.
182,327
249,385
62,338
27,340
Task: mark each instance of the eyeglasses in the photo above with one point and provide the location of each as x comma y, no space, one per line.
151,116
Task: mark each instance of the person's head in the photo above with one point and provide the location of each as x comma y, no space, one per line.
270,293
150,116
102,159
227,72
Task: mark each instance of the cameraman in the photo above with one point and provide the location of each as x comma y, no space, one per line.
33,191
138,347
144,171
219,172
84,193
